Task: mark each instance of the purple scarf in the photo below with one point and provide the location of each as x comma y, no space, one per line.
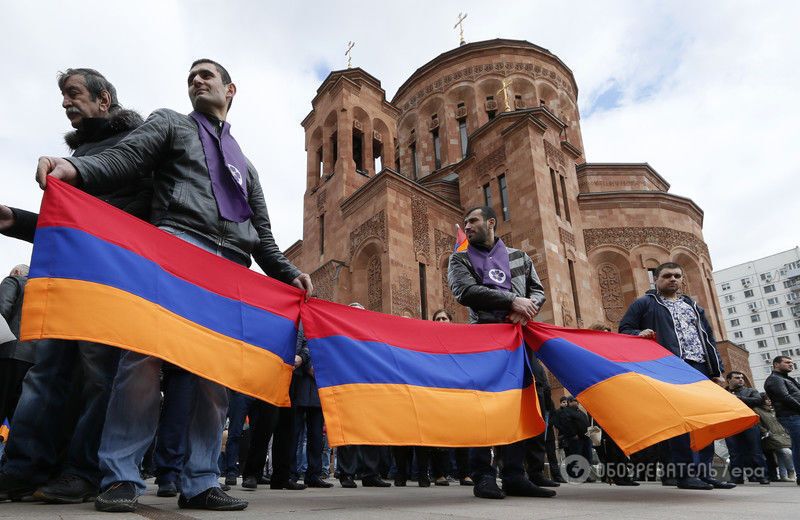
227,168
492,267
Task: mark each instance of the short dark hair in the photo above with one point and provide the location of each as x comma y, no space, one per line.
733,373
96,83
778,359
226,78
600,326
666,265
439,311
486,212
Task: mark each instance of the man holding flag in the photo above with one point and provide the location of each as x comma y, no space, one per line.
499,285
207,193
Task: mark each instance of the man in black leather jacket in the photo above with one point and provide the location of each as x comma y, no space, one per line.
747,456
91,105
208,194
784,392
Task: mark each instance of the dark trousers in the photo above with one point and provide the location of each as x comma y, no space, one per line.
170,449
747,457
535,454
512,457
403,459
683,459
441,464
34,446
550,450
311,418
357,459
269,421
239,406
12,372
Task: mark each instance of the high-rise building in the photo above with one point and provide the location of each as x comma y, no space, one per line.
760,302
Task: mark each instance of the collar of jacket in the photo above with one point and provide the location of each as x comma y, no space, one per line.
93,129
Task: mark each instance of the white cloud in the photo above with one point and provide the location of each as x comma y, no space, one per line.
705,87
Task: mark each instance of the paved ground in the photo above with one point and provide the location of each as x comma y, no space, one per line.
649,501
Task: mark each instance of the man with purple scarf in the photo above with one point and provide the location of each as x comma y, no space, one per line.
499,284
207,193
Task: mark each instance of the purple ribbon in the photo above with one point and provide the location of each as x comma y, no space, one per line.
227,168
492,266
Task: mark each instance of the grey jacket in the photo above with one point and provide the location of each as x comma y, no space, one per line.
488,305
12,290
168,144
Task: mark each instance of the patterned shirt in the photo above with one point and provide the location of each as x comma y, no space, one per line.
686,329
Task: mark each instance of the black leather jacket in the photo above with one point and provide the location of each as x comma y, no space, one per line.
749,396
169,145
784,392
12,290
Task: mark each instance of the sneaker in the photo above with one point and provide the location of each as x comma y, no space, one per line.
487,487
167,489
523,487
212,499
250,483
67,489
14,488
120,497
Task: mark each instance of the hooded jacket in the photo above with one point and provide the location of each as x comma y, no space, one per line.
95,135
650,312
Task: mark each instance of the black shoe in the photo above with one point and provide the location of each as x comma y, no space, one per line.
424,481
67,489
14,488
560,479
287,484
764,481
120,497
348,482
718,484
316,482
487,488
374,482
466,481
264,481
540,480
693,483
167,489
224,487
230,481
399,482
671,482
212,499
624,482
250,483
525,488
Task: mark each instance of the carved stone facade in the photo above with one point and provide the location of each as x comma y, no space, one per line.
631,237
374,284
611,292
326,279
555,157
494,159
419,226
375,227
405,300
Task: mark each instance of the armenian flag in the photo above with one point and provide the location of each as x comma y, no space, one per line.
101,275
638,391
387,380
461,240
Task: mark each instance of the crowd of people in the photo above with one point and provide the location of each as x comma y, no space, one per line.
89,422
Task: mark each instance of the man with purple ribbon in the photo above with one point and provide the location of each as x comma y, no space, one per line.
499,284
207,193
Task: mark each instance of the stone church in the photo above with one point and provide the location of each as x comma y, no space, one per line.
493,122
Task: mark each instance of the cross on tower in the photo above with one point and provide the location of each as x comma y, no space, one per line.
460,25
506,83
348,53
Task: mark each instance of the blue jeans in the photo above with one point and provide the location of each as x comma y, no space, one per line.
173,423
747,457
33,451
791,424
238,408
133,413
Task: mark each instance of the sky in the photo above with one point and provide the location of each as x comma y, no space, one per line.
705,92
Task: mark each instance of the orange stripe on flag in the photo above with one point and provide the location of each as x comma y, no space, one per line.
403,415
74,309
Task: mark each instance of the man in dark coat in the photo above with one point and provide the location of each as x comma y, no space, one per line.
91,105
499,284
16,357
678,324
747,456
207,193
784,392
